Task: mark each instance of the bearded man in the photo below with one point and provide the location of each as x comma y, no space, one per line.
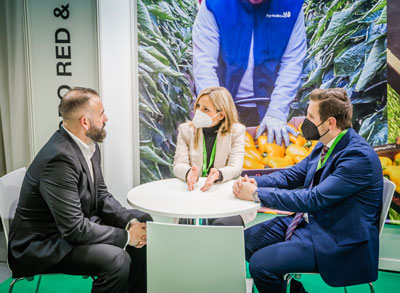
66,221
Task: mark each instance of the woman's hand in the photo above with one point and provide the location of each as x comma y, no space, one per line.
212,177
192,177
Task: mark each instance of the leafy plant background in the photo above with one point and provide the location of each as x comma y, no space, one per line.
166,86
393,106
346,48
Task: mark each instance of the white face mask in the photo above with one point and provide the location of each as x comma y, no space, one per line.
202,120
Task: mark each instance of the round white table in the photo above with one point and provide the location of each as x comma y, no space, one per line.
171,198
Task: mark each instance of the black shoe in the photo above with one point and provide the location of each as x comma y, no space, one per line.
296,287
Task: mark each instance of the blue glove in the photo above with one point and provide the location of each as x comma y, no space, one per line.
277,129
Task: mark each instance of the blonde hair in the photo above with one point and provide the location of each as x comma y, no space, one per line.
223,102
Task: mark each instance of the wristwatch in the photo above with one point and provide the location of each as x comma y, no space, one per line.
255,196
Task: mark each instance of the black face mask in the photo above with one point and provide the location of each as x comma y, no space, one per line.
310,130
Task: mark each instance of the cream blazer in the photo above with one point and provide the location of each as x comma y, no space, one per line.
229,155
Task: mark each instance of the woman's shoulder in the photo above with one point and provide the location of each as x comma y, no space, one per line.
186,127
238,128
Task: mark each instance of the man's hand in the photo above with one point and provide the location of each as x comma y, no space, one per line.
239,183
211,178
248,179
192,177
246,191
137,233
277,129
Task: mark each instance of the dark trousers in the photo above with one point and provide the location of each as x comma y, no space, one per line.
116,270
252,116
226,221
270,257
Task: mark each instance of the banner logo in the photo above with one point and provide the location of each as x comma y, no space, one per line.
286,14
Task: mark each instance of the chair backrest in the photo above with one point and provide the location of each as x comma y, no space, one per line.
388,191
10,186
196,259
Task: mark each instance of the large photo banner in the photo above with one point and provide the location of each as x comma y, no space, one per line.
188,45
166,85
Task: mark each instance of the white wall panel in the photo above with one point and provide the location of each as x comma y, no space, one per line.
118,82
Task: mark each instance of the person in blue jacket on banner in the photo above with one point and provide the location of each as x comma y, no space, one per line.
336,194
255,49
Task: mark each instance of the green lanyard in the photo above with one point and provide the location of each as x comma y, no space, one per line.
339,137
205,168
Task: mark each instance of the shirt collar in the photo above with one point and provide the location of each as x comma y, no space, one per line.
329,144
86,149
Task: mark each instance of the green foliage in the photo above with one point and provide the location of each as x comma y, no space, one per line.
166,87
347,48
393,104
375,126
394,217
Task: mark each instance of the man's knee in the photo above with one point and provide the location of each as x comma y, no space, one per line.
248,251
259,269
116,260
255,267
250,244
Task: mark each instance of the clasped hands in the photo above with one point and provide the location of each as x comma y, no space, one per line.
244,187
137,233
193,176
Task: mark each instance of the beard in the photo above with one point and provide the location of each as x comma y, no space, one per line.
96,134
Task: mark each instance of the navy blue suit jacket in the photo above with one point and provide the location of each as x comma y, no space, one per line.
344,201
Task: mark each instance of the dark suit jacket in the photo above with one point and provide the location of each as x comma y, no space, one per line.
60,207
344,201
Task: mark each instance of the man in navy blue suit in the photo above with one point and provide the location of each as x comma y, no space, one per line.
336,194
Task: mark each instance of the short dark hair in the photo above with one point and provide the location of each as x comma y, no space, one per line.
74,99
334,102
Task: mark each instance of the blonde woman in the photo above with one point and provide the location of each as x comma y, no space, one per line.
212,146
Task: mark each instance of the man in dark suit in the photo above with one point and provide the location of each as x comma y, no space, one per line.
336,193
66,220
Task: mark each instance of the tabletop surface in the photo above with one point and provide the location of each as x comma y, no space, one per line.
171,198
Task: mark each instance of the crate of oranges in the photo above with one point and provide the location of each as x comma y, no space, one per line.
261,155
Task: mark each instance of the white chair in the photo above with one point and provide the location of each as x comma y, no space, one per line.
388,191
195,259
10,187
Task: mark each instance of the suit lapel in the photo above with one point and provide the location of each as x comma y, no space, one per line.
96,176
313,165
81,159
197,153
344,141
221,152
